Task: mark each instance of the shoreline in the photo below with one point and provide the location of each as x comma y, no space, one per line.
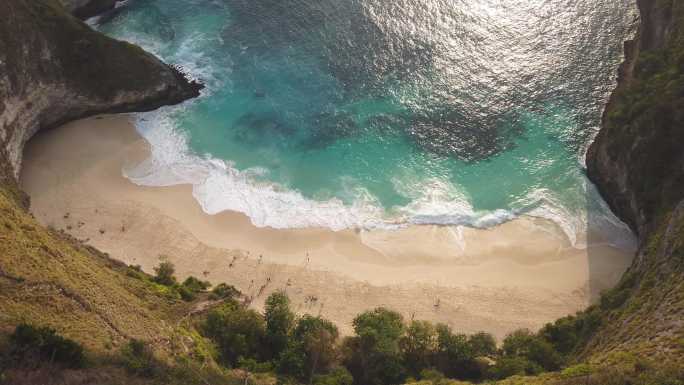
522,273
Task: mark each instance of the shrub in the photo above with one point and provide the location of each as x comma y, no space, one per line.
577,371
417,345
279,322
252,365
338,376
164,274
238,332
35,344
455,356
186,294
536,350
373,356
195,285
311,349
482,344
509,366
225,291
139,359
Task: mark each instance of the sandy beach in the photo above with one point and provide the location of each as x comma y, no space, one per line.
521,274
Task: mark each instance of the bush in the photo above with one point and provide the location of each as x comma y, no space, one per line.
338,376
139,359
164,274
577,371
238,332
253,366
225,291
279,322
455,355
311,349
186,294
417,345
482,344
539,352
373,356
509,366
195,285
36,344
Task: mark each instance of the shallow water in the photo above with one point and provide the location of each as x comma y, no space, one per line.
378,113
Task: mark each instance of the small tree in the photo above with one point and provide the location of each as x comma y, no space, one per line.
373,356
164,274
455,356
482,344
279,322
238,332
538,352
311,349
418,346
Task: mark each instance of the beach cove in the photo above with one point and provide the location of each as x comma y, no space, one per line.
520,274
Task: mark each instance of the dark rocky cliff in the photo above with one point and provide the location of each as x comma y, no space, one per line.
54,68
637,162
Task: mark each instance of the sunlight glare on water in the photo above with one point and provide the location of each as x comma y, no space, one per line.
378,113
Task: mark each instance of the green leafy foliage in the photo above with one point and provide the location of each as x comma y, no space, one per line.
30,344
539,353
311,350
139,360
279,322
238,332
338,376
224,291
373,356
164,274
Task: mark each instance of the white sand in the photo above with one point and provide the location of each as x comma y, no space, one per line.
521,274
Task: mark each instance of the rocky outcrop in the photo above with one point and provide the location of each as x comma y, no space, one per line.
54,68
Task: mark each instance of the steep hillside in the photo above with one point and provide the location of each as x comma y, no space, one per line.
637,161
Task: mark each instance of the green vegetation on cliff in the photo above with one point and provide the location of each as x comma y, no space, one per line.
638,164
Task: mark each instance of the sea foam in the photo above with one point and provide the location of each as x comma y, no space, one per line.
219,186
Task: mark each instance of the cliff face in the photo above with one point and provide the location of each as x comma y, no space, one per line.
54,68
637,162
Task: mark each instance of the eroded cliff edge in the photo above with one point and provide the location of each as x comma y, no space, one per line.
637,162
54,68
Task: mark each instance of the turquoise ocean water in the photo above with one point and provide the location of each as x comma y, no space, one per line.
380,113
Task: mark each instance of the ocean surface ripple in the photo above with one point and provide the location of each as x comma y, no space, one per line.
379,114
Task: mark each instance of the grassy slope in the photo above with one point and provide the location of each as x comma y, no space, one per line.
49,279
